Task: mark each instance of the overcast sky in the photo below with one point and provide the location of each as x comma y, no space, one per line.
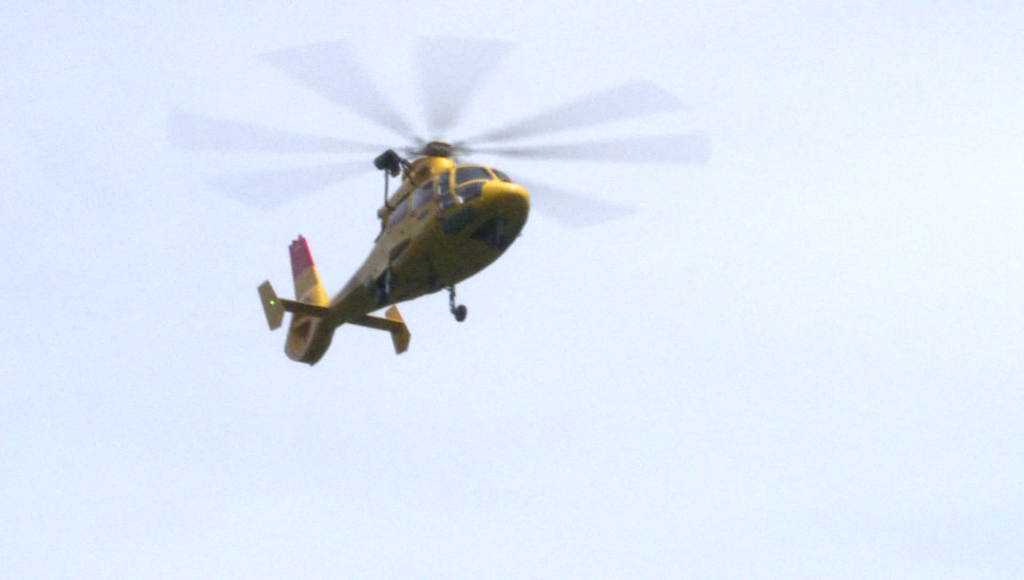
803,359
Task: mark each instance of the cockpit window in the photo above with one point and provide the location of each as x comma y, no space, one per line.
444,183
470,173
422,195
501,175
444,191
469,191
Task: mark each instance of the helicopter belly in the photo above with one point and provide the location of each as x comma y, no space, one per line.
436,249
463,240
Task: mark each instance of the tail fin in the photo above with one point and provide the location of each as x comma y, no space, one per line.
308,287
307,338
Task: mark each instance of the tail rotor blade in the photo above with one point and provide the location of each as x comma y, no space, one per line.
451,70
572,209
269,189
634,99
681,148
194,132
330,69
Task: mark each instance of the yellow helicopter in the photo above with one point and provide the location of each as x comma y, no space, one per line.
447,220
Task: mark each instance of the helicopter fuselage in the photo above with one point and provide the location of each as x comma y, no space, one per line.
445,223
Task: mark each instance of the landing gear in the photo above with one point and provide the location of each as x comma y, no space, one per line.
459,311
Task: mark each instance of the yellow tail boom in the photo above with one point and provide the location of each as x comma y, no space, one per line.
308,334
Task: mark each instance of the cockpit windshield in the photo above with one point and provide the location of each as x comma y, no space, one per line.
468,183
469,191
468,173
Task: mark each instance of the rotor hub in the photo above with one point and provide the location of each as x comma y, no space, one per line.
438,149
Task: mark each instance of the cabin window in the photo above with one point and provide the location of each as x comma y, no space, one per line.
399,213
470,173
501,175
422,195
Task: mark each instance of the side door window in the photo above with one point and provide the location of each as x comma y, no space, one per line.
422,195
399,213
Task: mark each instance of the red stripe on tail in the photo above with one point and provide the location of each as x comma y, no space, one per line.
302,260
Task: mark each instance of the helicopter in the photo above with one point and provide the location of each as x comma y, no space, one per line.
448,219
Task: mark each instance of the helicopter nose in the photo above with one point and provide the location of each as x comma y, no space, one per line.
503,207
510,201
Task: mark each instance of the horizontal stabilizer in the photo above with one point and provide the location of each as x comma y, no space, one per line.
275,307
393,323
272,306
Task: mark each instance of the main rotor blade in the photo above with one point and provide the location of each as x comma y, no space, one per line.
572,209
633,99
196,132
330,69
680,148
451,70
269,189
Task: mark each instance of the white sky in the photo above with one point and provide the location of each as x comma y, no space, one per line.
804,359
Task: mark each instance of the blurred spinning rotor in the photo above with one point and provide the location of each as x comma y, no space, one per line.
451,72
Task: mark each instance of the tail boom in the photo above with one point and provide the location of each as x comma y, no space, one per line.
313,322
